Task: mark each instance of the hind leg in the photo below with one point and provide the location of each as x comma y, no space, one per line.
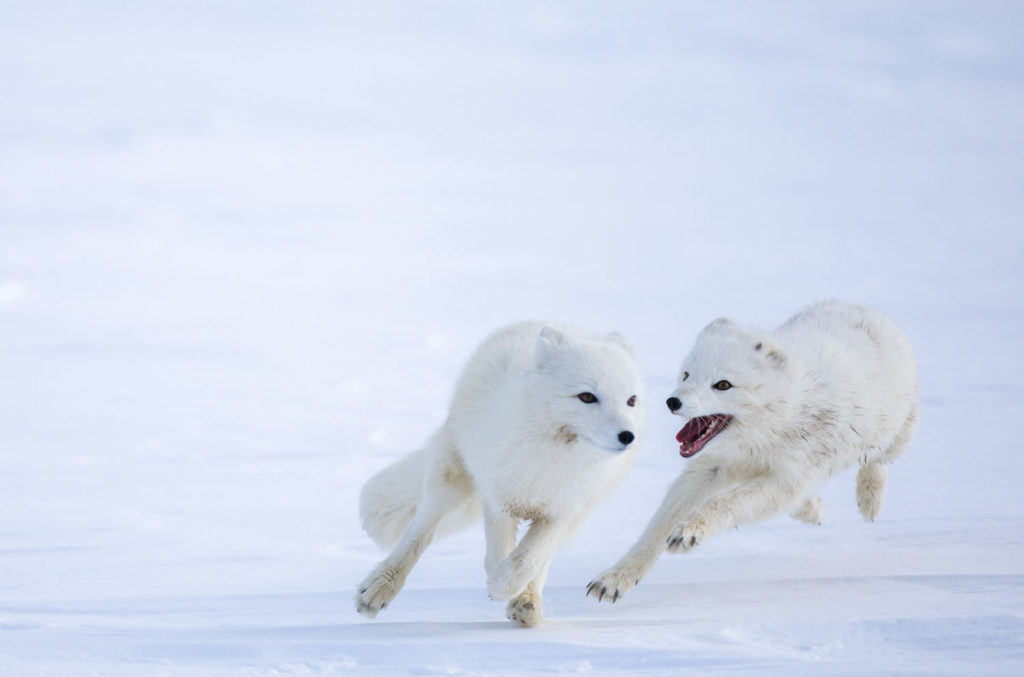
444,491
810,511
873,474
899,445
384,582
870,487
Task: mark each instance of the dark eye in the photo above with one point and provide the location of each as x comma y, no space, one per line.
589,398
631,402
722,385
686,375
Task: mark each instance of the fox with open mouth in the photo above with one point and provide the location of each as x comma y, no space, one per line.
770,416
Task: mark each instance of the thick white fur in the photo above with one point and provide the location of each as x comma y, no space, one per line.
518,444
833,386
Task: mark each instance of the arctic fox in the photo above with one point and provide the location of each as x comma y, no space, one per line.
773,415
544,422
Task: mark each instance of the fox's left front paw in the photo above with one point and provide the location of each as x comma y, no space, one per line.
688,536
525,610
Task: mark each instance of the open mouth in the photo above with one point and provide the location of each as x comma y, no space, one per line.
700,430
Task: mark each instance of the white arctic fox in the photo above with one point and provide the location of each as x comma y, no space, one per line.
773,415
543,423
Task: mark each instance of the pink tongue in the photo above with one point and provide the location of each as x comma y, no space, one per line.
689,432
693,436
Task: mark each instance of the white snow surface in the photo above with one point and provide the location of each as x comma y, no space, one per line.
245,249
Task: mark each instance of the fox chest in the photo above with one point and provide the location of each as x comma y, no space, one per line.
552,489
527,512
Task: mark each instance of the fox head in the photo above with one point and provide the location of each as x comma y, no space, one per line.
591,390
734,382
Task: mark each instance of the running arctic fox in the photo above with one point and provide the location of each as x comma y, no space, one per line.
543,423
773,415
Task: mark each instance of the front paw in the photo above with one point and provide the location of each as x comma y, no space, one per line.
612,585
505,581
524,610
377,591
688,536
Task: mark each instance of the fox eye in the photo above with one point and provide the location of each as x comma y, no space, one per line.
722,385
589,398
686,375
631,402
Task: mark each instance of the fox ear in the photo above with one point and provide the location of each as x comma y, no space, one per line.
549,342
771,353
619,340
721,324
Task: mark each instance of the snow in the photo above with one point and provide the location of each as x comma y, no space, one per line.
246,247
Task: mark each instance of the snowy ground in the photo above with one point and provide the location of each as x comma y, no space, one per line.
245,248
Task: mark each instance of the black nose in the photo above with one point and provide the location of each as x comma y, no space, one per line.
626,437
674,404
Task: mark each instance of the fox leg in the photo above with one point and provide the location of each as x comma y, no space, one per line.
810,511
872,475
500,535
529,558
527,607
500,530
699,481
870,487
751,502
444,490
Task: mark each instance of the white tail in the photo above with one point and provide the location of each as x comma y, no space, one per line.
390,498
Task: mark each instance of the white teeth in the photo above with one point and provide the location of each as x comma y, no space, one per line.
711,430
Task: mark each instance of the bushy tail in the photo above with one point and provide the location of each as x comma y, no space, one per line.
388,501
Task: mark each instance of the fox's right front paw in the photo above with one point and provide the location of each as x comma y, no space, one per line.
612,585
377,591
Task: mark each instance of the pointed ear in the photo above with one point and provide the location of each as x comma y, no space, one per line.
619,340
549,343
721,324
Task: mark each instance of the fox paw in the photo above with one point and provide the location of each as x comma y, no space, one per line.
870,488
869,507
810,511
612,585
377,591
687,536
525,610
